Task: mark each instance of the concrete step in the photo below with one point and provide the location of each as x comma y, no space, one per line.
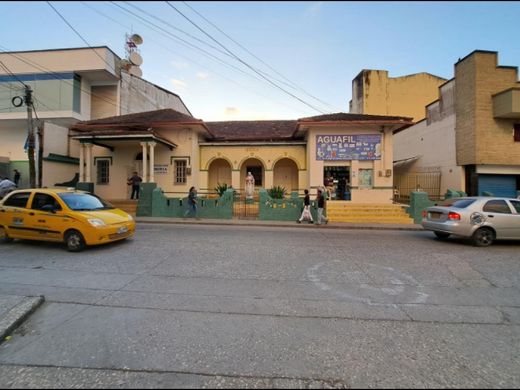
367,213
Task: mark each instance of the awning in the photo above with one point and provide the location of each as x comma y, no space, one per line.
404,161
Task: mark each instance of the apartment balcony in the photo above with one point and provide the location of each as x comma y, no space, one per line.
506,104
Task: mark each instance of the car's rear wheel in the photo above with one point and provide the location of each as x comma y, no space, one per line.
483,237
74,241
442,235
4,237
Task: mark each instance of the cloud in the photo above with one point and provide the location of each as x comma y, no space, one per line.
178,83
315,8
202,75
179,64
231,111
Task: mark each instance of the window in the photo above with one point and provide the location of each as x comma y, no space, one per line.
517,132
180,171
41,200
103,171
18,200
497,206
516,205
76,94
366,178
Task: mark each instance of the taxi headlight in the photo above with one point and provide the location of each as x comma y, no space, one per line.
130,218
96,222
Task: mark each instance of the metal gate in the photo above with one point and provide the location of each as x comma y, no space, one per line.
243,209
406,183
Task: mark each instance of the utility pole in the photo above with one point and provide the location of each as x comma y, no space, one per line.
30,137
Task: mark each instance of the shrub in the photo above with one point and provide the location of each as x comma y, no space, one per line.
277,192
221,188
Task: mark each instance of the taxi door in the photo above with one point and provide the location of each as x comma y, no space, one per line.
44,218
13,215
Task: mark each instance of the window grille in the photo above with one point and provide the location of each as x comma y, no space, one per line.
103,171
180,171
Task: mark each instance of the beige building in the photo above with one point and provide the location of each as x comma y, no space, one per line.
472,132
177,151
375,93
69,85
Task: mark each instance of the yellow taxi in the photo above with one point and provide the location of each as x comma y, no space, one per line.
75,217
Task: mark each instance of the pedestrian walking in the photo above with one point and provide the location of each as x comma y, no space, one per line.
320,200
135,181
306,213
192,203
16,177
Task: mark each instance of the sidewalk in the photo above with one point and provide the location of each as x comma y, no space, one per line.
13,310
253,222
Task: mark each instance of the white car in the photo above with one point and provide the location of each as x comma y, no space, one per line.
482,219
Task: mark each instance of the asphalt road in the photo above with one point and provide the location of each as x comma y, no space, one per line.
236,306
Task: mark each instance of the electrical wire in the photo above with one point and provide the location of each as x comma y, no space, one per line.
189,59
243,62
289,82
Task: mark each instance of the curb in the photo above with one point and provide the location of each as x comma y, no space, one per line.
282,224
18,314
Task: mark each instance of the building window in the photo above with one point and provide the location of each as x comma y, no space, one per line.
180,171
103,171
76,94
517,132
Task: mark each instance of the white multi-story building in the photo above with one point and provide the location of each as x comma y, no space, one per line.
69,85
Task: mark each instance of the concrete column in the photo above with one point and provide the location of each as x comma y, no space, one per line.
145,161
152,161
81,163
88,178
269,179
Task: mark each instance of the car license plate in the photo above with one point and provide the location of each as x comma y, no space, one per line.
434,215
122,230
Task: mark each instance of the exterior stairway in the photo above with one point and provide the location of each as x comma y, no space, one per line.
341,211
128,205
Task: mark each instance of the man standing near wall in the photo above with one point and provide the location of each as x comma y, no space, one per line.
135,182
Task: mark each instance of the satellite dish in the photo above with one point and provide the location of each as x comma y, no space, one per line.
135,58
125,64
136,71
137,39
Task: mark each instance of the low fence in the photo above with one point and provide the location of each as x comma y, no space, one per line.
288,209
420,201
154,203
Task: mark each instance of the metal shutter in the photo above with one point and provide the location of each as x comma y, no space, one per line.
498,185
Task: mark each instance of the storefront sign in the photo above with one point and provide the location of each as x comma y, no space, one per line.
160,169
348,147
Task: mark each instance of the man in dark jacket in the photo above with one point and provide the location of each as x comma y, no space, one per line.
306,213
135,182
320,200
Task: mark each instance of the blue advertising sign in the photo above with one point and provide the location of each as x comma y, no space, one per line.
348,147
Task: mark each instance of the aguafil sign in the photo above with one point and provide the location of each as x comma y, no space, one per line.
348,147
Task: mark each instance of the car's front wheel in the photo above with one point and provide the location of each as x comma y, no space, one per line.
483,237
442,235
74,241
4,237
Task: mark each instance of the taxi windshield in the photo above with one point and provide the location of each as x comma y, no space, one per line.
84,202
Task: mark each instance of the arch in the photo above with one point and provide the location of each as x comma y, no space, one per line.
210,161
296,161
219,172
259,173
285,174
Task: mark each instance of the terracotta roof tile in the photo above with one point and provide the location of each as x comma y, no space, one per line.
166,115
253,130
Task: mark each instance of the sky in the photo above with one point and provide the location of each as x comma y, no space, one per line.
285,60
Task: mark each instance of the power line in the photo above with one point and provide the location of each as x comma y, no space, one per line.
12,74
40,67
97,54
243,62
168,48
259,59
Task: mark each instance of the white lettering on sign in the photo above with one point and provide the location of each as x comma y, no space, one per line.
334,139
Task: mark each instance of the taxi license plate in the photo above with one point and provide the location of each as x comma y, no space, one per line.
122,230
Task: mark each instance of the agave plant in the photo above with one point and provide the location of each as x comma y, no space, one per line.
277,192
221,188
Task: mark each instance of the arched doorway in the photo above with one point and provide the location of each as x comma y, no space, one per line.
285,174
256,168
219,172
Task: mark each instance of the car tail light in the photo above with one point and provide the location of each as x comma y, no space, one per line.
453,216
424,213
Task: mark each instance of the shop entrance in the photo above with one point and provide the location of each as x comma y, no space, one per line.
337,182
